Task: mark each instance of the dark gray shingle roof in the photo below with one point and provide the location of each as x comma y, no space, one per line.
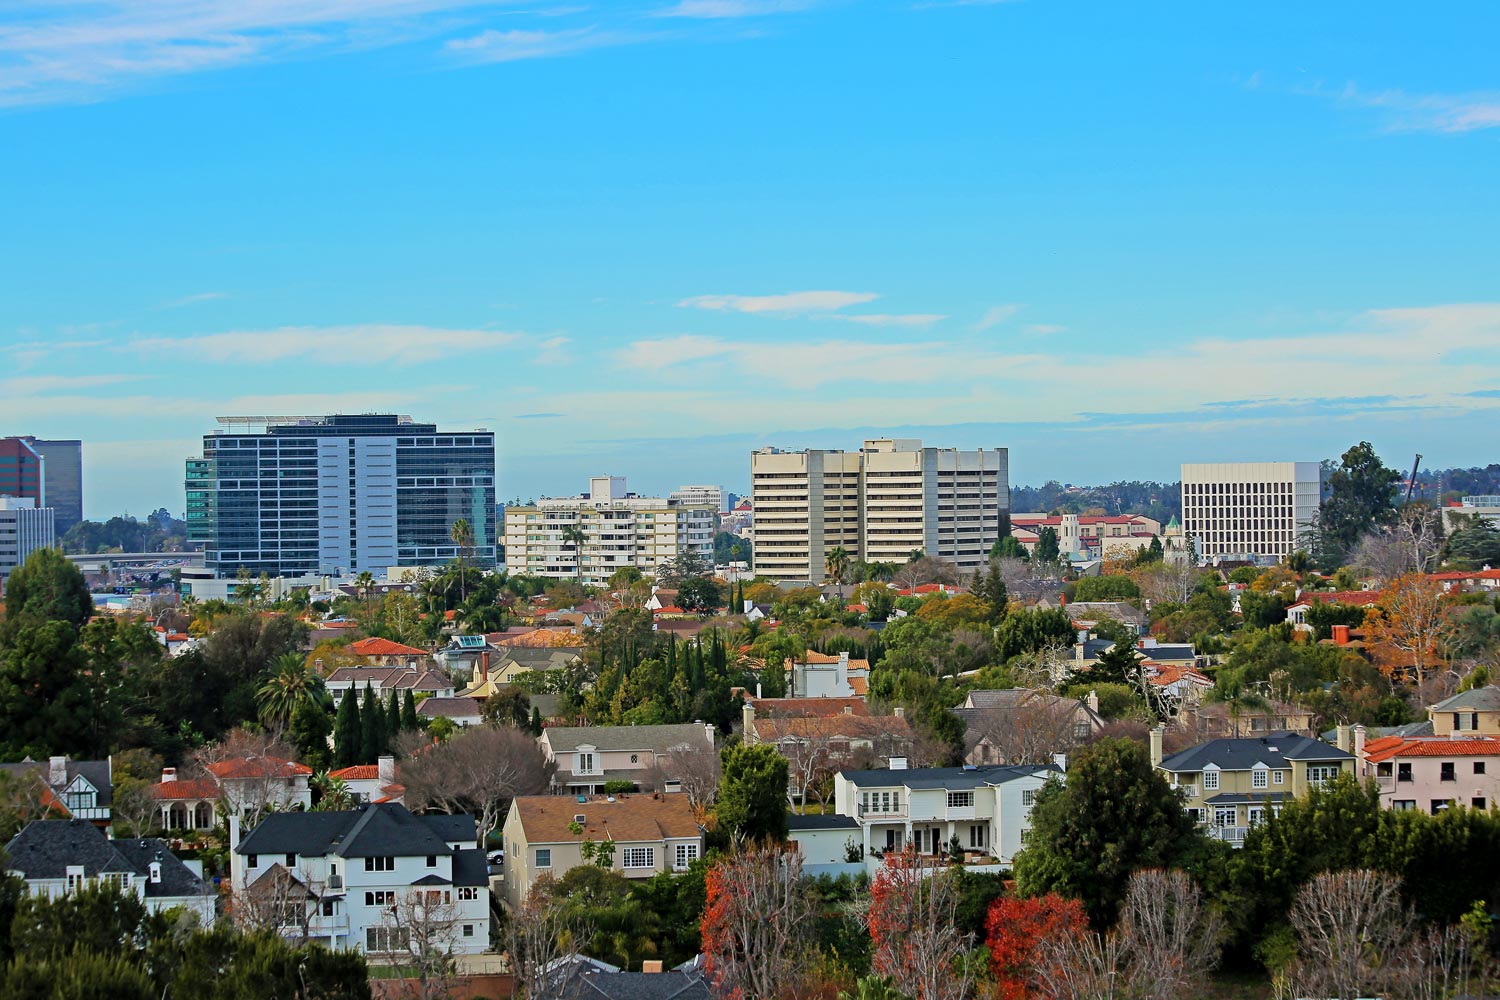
374,830
637,986
1485,699
657,738
46,848
1275,750
795,823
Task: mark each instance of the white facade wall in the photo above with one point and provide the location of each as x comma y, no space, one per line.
1248,509
641,532
24,528
879,504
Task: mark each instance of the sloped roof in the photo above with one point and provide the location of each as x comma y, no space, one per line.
449,708
189,788
659,739
1275,750
1388,747
46,848
383,647
832,727
947,777
357,772
1485,699
671,985
774,708
539,637
372,830
629,818
795,823
96,772
242,768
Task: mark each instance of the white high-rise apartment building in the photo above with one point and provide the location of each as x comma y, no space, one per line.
619,528
1241,510
24,528
700,496
880,504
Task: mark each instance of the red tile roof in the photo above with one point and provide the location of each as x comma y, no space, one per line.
808,707
383,647
359,772
191,788
257,767
1409,746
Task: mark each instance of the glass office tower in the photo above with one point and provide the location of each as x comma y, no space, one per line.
339,494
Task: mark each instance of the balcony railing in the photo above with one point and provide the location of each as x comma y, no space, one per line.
1189,791
1229,834
875,815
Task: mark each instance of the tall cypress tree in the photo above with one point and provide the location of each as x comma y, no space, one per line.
372,721
348,735
392,720
409,713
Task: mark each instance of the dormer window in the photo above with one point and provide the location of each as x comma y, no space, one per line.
586,762
1211,780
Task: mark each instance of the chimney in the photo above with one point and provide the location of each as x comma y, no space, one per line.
843,677
747,722
1061,760
898,712
1341,738
1083,635
1359,741
1341,635
1093,701
898,763
234,829
1062,600
708,727
57,772
758,695
386,770
1156,736
168,774
651,965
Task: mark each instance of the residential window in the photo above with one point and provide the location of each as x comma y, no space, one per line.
544,857
468,930
330,907
1028,797
432,861
1404,805
380,897
960,800
1477,802
585,763
1210,781
1278,777
639,857
467,893
1439,805
1225,816
1318,775
1446,771
1479,767
380,939
291,860
380,864
1403,772
977,835
1260,778
686,855
252,861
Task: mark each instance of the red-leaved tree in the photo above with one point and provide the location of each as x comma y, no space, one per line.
914,936
1017,928
755,924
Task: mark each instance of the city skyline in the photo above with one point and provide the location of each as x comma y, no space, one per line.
646,239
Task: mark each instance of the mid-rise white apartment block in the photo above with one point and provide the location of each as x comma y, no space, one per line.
24,528
701,496
880,504
619,529
1249,510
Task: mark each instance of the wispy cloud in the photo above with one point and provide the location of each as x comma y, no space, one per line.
995,315
1043,329
37,385
494,46
342,345
720,9
537,416
787,302
192,300
891,319
551,351
1408,112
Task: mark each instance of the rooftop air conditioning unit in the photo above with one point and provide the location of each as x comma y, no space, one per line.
578,817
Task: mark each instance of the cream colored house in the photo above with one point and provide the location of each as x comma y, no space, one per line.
1229,785
587,757
646,835
1468,713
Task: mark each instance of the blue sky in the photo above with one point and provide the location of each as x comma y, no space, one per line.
643,237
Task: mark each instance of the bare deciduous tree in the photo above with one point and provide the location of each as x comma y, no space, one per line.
1347,924
755,924
914,935
252,771
1168,581
478,771
1411,545
542,943
926,569
1028,733
421,935
282,900
696,768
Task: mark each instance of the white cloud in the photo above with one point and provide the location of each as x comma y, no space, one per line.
722,9
1407,112
891,319
494,46
788,302
192,300
551,351
1043,329
341,345
28,385
995,315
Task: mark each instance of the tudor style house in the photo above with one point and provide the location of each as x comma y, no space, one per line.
546,834
358,879
587,757
79,789
57,857
986,810
1229,785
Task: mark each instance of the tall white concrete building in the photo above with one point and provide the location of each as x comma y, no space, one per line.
699,496
880,504
619,529
1248,510
24,528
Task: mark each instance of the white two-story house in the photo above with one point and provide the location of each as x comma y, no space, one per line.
986,809
361,879
61,856
588,757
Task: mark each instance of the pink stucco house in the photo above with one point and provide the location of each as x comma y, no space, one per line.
1433,772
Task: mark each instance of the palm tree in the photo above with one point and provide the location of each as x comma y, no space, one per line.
289,688
885,572
333,793
365,583
836,563
462,534
574,533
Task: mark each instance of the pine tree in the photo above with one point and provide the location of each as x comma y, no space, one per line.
536,721
409,713
392,720
372,723
348,734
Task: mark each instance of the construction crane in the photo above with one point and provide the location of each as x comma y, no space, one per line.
1412,482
